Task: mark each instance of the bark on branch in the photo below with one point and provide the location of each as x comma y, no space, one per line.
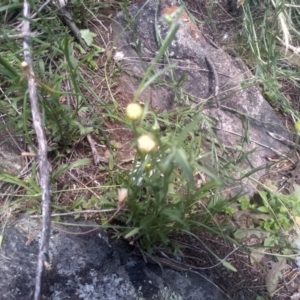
42,152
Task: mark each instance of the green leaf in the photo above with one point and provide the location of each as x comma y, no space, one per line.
85,205
229,266
245,202
270,241
79,47
14,180
182,162
35,189
75,164
173,216
111,162
162,50
98,49
132,233
202,192
14,5
147,220
187,129
163,237
246,233
88,36
9,68
76,203
155,76
263,209
105,202
115,144
166,166
217,181
53,205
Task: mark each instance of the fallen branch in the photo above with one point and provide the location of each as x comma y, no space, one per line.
96,157
88,211
19,36
68,20
42,152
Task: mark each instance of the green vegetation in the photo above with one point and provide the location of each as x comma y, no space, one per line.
167,187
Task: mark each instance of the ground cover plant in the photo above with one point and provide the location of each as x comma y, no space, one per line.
114,159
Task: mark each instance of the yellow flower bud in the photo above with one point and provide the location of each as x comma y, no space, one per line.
168,18
146,143
122,196
134,111
25,67
297,126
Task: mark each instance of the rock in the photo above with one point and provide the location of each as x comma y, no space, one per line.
11,146
226,87
88,266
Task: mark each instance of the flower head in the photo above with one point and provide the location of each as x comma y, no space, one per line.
25,67
146,143
122,196
134,111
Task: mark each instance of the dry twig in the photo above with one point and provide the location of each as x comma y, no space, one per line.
68,20
88,211
42,152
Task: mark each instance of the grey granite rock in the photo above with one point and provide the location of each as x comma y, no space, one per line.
88,266
223,84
